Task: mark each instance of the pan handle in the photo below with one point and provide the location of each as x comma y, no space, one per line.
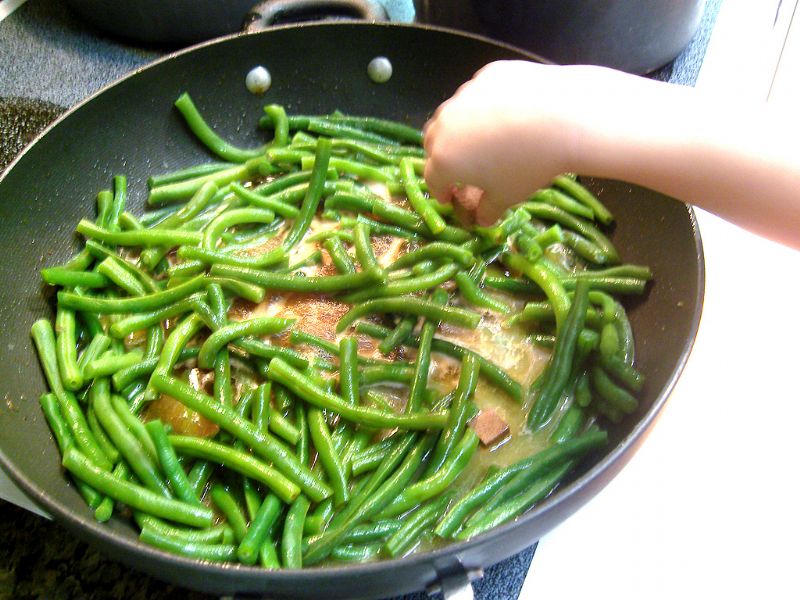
455,582
271,12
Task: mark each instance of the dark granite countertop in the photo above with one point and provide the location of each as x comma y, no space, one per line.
49,61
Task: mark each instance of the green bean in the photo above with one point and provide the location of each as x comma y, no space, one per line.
477,297
625,374
615,285
457,417
372,532
101,252
436,251
396,215
104,200
348,369
228,333
612,393
134,425
535,465
374,496
313,195
263,445
438,482
79,262
422,366
351,167
355,553
238,461
564,202
292,283
231,218
199,475
516,505
421,204
66,349
261,408
176,476
251,293
560,365
64,440
265,202
187,173
280,124
330,461
137,304
227,504
109,363
210,535
406,285
208,137
488,369
191,549
333,129
70,278
133,495
369,459
122,378
128,444
111,268
585,197
553,213
398,335
258,532
511,285
177,340
181,190
548,282
310,259
291,542
497,235
379,228
341,259
408,536
142,237
106,445
392,129
195,550
411,306
302,386
268,554
44,340
365,254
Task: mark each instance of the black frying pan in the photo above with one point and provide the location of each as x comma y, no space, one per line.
131,128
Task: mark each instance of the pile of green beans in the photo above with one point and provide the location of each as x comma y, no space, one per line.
308,458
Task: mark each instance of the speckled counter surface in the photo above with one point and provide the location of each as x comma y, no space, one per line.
50,61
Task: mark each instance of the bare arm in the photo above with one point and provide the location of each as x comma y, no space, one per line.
516,125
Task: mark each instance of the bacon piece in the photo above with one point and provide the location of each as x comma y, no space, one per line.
489,427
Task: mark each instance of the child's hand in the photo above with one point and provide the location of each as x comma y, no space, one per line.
510,130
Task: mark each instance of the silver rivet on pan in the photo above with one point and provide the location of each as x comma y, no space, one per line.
258,80
379,69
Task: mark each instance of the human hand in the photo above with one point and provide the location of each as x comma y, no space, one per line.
514,127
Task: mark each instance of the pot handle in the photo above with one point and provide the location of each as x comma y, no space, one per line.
455,583
270,12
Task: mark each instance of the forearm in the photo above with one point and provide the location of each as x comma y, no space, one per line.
735,161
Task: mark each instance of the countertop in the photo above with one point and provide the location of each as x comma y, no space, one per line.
48,56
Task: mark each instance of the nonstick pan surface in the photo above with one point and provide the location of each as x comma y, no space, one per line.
131,128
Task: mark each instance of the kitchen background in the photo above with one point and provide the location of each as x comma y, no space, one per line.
708,505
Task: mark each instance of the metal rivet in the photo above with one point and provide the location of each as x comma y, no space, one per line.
258,80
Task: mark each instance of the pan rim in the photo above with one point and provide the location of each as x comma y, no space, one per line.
612,461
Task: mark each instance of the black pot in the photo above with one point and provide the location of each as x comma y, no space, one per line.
181,22
637,36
